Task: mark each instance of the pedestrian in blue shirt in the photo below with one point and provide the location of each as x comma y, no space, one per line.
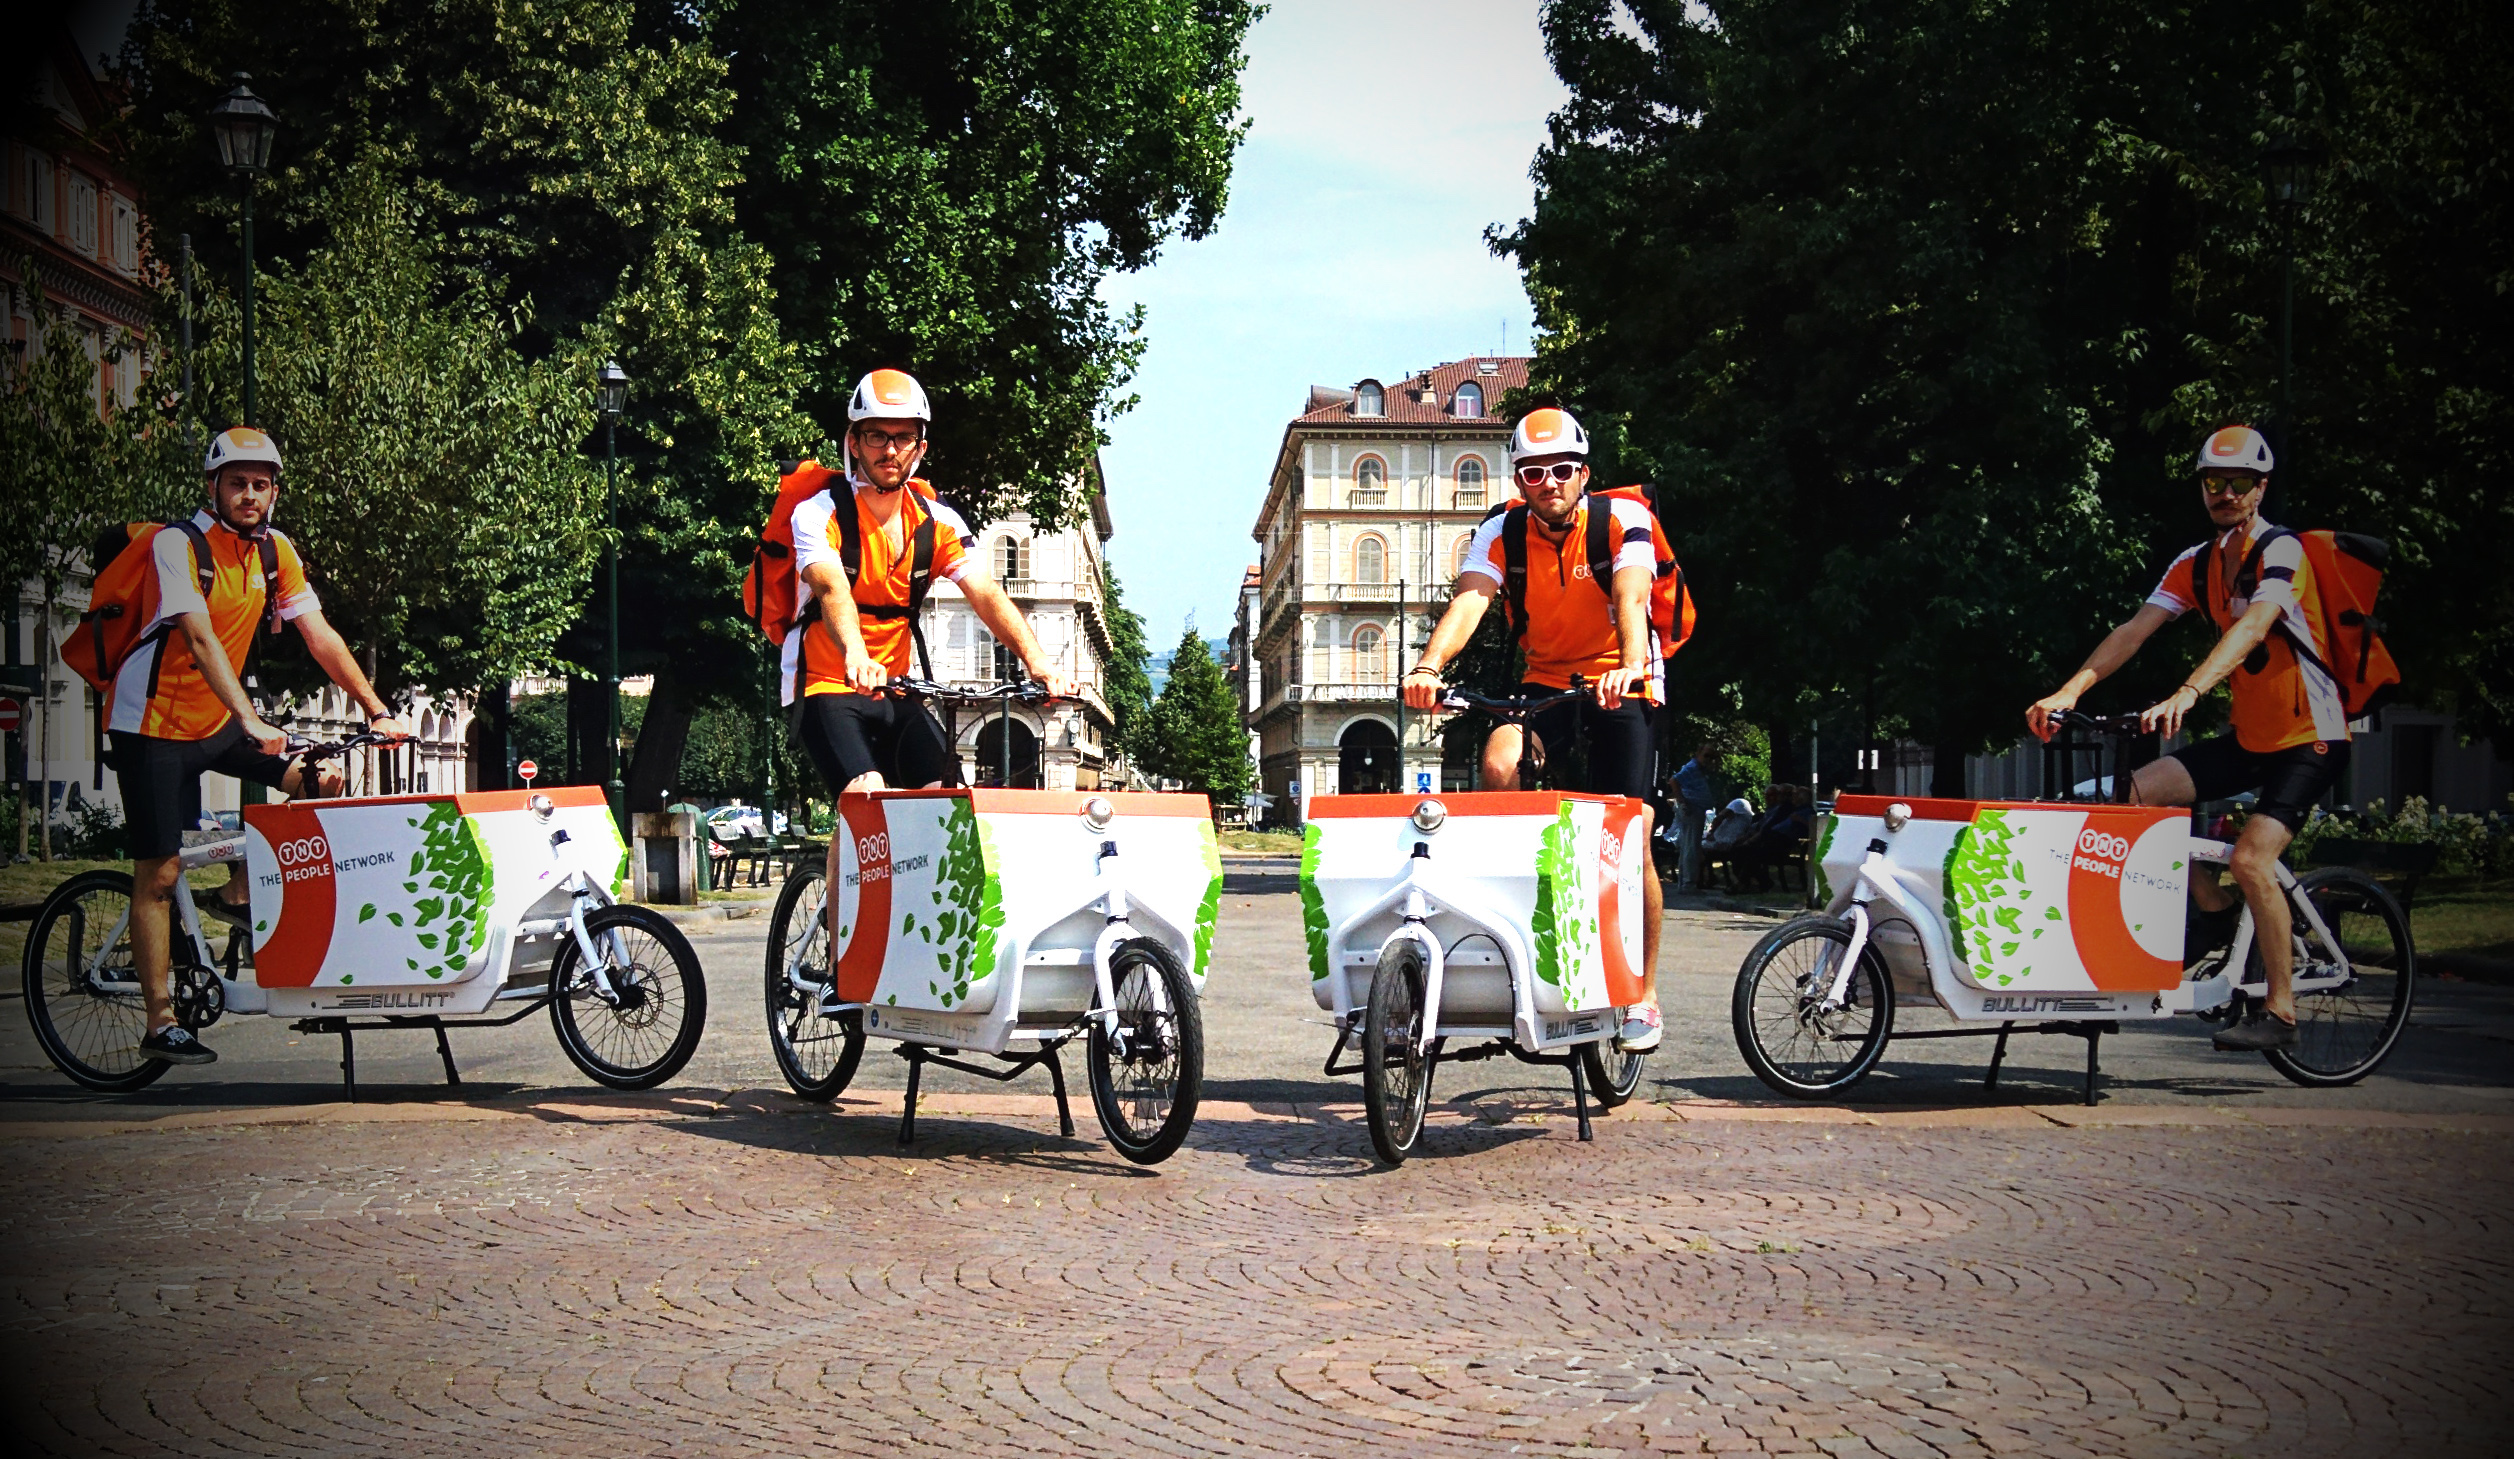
1695,796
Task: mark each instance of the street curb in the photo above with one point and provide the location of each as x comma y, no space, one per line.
594,1107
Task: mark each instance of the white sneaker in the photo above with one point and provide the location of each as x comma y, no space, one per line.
1640,1032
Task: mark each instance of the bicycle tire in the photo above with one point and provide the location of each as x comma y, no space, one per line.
817,1054
1613,1074
1765,1003
662,973
1396,1091
1166,1083
2345,1034
61,1011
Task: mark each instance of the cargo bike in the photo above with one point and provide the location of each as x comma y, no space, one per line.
1006,923
427,912
2052,918
1507,921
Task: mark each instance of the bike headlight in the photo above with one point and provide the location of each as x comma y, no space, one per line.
1897,816
542,805
1430,816
1097,812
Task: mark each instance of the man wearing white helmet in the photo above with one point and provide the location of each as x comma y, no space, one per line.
177,708
1574,627
2289,739
856,636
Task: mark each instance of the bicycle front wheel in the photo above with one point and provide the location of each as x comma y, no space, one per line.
647,1029
1396,1069
1613,1074
818,1054
1146,1084
1795,1043
82,988
2344,1033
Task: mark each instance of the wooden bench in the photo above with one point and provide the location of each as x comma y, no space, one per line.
2399,866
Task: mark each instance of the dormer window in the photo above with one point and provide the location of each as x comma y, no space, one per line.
1470,400
1369,399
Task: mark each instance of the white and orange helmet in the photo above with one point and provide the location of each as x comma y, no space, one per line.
1549,431
2235,448
238,444
889,395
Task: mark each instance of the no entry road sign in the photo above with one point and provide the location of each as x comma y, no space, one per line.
10,715
528,770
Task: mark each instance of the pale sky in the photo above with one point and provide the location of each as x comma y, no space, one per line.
1388,134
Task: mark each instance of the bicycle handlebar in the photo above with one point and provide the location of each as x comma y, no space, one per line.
1028,691
2102,724
311,751
1517,707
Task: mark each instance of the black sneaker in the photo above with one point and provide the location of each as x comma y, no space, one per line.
174,1044
2257,1031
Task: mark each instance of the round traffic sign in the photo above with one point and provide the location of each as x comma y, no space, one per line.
528,770
10,714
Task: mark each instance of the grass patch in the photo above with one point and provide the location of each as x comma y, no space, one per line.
2459,914
33,881
1285,843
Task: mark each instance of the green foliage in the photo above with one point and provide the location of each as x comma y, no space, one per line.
2466,845
1741,751
1126,681
1196,733
1920,363
567,159
945,187
538,724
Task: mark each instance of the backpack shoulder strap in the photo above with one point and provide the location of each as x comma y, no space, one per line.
1602,544
920,581
850,533
204,565
1514,565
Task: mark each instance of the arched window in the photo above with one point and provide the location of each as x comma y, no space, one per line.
1012,558
1370,561
1370,656
1470,480
1469,399
1370,482
1368,399
1457,553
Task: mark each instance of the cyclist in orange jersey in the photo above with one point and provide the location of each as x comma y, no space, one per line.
1572,630
2289,740
177,708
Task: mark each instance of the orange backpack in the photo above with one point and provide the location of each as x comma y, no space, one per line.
2347,574
122,601
772,594
1671,602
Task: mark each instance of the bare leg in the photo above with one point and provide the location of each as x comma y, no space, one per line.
2255,862
152,934
1501,756
1653,913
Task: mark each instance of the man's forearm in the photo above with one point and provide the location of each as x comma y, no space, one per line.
1456,626
1632,620
331,654
2239,641
837,606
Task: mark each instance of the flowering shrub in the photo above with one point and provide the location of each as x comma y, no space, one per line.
2466,845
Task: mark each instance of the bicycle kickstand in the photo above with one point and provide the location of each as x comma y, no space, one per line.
1580,1093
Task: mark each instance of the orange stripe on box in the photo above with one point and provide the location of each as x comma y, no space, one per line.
1462,803
1060,802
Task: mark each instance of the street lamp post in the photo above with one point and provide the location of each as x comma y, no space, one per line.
610,397
2288,167
244,125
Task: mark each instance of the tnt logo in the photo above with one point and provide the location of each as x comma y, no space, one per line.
2100,852
872,858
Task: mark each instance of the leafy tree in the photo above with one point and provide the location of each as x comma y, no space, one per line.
945,187
1126,682
1916,310
1196,734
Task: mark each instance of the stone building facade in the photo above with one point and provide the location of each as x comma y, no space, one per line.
1375,491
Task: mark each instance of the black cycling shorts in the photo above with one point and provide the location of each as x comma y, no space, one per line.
850,735
161,782
1621,743
2289,780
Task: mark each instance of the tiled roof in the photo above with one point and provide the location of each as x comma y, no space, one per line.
1510,372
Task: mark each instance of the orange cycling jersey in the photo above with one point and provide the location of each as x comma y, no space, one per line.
160,691
1571,622
2281,700
813,661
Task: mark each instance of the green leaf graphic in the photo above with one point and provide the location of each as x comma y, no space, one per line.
367,912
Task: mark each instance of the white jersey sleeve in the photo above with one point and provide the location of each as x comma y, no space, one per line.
965,561
1483,553
1633,537
2281,563
810,522
2173,590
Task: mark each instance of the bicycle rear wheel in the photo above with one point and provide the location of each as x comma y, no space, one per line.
2344,1033
650,1031
1146,1093
1793,1043
82,990
816,1053
1396,1068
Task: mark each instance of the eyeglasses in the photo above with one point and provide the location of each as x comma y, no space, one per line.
2228,485
1560,471
883,443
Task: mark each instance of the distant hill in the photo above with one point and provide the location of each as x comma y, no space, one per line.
1158,666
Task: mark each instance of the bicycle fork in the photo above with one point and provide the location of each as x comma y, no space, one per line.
1118,929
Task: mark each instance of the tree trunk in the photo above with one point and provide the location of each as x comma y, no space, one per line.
1946,775
588,721
656,763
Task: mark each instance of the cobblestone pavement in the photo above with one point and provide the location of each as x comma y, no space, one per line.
702,1274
